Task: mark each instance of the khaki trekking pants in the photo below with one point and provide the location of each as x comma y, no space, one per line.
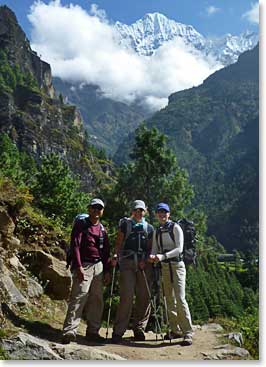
132,283
178,310
86,299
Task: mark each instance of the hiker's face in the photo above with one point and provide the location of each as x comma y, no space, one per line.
163,216
95,211
138,214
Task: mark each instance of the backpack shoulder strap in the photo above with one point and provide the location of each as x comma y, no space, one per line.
145,227
102,234
102,229
171,230
129,226
158,234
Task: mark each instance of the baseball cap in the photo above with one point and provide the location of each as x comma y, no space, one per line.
96,202
138,204
163,206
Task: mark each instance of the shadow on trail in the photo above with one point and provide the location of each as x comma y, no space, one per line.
152,343
45,331
36,328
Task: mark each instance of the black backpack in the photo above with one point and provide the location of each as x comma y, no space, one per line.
84,220
189,250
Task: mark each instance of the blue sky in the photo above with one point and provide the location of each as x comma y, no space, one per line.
209,17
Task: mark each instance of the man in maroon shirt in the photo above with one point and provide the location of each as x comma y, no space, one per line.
90,269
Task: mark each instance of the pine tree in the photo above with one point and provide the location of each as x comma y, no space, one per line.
10,159
153,176
57,191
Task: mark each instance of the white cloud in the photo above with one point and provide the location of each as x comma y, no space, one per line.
83,46
210,10
252,15
100,13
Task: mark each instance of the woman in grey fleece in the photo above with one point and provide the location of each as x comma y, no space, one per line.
169,254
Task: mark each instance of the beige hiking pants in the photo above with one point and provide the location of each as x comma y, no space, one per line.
86,299
132,282
178,310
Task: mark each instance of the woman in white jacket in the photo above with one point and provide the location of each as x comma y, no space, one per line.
169,253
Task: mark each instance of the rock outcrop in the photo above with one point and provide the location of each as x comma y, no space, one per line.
7,227
8,286
51,271
13,39
27,347
32,115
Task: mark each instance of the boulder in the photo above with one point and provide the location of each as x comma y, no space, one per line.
27,347
51,271
83,352
15,263
227,352
24,346
11,242
237,337
8,285
212,327
7,226
34,288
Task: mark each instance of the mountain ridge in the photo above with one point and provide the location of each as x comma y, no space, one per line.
147,34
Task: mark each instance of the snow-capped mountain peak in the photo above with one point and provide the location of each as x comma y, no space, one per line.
154,29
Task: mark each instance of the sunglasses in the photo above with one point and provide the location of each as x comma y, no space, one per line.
161,211
96,207
138,210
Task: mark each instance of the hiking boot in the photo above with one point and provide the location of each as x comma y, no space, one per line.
172,335
139,335
68,338
96,338
187,340
116,339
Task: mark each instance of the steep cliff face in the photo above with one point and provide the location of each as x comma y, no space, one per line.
13,39
38,121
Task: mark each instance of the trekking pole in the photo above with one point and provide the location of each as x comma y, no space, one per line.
156,296
158,327
110,301
166,309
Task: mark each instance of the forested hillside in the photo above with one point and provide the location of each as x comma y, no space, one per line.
107,121
213,130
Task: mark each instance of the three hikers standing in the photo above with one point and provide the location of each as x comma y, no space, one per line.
132,249
169,253
90,269
137,247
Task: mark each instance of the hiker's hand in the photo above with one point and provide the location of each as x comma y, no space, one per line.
142,264
151,259
159,257
106,278
114,261
80,274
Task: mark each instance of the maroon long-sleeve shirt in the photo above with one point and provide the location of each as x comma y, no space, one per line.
87,245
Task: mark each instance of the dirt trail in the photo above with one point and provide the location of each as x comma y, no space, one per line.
204,342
